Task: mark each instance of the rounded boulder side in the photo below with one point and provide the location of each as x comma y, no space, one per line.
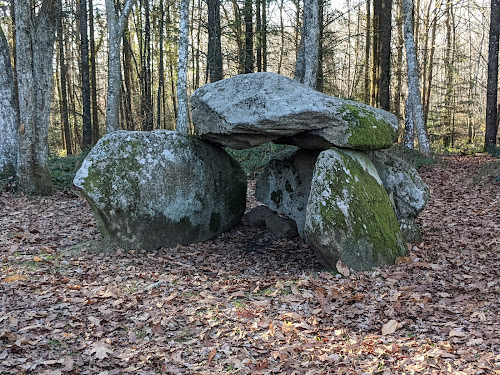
161,188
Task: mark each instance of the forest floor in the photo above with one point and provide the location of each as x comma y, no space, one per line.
217,307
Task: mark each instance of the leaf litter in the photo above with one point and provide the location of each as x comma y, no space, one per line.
214,308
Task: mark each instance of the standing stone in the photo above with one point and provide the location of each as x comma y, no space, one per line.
403,183
161,188
285,183
350,215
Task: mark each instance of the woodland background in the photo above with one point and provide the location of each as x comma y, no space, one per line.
264,35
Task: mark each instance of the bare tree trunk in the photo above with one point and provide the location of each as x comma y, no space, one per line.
93,77
264,35
64,85
430,66
258,32
282,33
182,98
399,61
367,53
9,115
490,137
409,133
35,35
306,68
385,54
414,102
146,96
160,103
85,74
214,41
116,26
249,60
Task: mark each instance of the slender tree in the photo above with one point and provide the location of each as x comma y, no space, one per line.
160,102
64,87
85,74
414,110
93,76
182,98
490,136
116,26
35,36
306,68
214,58
264,35
146,98
9,115
248,16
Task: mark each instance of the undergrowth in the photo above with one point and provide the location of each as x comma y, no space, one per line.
63,170
414,157
252,160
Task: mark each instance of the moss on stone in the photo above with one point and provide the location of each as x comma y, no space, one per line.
359,210
366,131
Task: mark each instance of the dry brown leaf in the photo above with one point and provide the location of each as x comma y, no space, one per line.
390,327
239,293
454,333
212,354
101,350
342,268
37,259
11,279
293,315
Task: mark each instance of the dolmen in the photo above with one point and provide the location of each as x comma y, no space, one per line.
350,198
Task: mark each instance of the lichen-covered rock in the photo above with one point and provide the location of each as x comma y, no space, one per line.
161,188
350,215
251,109
402,181
285,182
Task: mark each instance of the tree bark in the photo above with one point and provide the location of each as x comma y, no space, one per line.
214,41
9,114
306,68
35,35
385,54
146,98
490,136
64,88
249,60
93,77
264,35
367,52
160,105
258,34
85,75
414,103
182,98
116,26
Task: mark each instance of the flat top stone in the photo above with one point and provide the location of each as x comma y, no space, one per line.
250,109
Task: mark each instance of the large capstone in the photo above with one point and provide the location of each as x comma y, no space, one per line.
162,188
285,182
251,109
403,183
349,213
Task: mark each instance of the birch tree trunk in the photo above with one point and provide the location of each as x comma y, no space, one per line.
492,85
116,26
182,98
9,115
414,103
306,68
35,36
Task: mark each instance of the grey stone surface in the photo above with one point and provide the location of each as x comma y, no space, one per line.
349,214
402,181
161,188
257,216
281,227
285,182
251,109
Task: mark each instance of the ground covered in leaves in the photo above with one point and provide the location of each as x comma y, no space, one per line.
248,303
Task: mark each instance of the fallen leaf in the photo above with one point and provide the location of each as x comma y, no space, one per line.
342,268
239,293
11,279
294,316
454,333
101,350
389,327
211,355
37,259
